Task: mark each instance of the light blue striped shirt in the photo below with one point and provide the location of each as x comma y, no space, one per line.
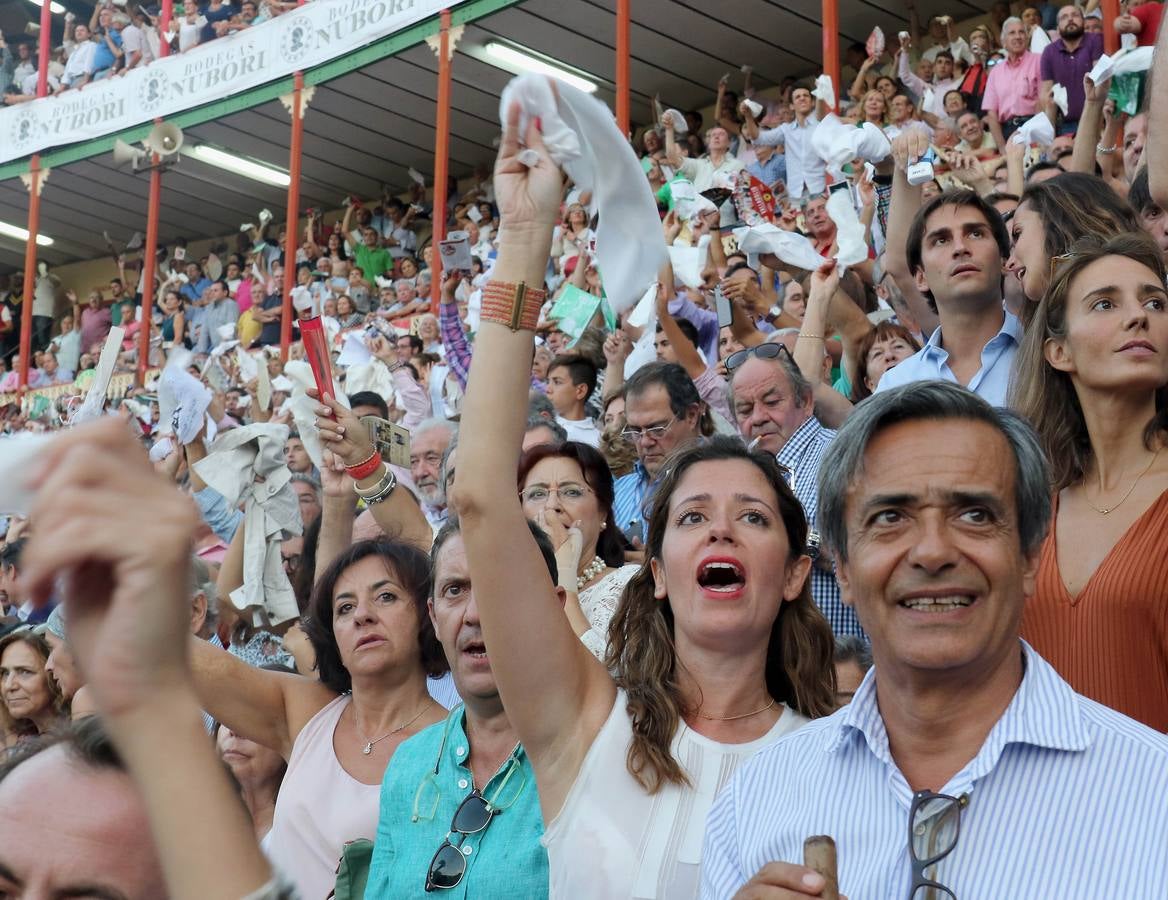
991,382
1067,799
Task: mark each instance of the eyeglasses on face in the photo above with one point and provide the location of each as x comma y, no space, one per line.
934,823
769,350
567,492
653,432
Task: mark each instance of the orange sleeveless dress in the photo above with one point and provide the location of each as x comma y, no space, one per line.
1111,642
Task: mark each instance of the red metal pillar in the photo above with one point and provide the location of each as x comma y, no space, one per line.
34,202
622,65
831,62
293,216
150,253
1111,11
441,160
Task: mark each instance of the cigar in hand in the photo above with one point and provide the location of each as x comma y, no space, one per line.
819,854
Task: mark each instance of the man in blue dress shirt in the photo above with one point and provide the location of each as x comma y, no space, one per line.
964,761
952,258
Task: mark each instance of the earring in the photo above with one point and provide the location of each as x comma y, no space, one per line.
604,525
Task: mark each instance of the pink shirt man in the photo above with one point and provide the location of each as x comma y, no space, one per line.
1012,88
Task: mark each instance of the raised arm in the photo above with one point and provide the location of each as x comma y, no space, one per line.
398,513
128,613
1158,127
1090,130
672,151
556,693
906,200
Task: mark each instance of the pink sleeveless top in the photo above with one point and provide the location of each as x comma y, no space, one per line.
320,808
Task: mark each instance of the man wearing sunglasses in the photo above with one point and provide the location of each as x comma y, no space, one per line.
774,407
460,813
964,767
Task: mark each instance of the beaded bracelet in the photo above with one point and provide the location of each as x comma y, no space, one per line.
515,305
365,468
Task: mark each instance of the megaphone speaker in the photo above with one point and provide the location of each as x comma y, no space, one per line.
125,154
164,139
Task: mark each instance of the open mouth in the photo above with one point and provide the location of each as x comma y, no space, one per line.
475,650
721,576
946,603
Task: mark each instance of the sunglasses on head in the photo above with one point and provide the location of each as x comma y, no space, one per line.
768,350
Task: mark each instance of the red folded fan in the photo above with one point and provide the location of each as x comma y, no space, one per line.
315,340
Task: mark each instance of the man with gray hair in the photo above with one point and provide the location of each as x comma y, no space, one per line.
964,766
1012,88
428,443
774,406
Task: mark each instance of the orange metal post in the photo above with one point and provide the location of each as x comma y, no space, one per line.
34,203
293,214
1111,11
150,252
148,261
441,153
831,63
622,65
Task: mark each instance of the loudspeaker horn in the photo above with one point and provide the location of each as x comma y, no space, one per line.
164,139
125,154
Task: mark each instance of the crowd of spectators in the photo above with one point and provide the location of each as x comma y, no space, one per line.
122,36
796,547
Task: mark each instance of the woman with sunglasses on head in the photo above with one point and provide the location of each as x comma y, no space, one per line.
1050,217
718,646
1092,378
567,491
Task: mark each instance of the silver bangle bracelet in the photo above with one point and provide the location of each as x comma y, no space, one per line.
380,491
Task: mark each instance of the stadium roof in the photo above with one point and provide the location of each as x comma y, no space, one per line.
372,116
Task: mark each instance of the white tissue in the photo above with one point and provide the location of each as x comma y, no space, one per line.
582,137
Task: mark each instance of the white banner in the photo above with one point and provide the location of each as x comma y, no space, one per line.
315,33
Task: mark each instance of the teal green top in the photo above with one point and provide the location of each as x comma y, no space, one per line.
426,780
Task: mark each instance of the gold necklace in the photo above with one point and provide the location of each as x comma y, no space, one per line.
1111,509
702,715
368,748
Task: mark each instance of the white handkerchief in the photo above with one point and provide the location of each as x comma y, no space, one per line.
1138,59
582,137
354,351
643,311
1039,40
824,90
18,455
263,384
1103,69
755,108
1058,93
677,119
248,367
1036,130
182,403
687,264
853,249
791,247
94,404
416,176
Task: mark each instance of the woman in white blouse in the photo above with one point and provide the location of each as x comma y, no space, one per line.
717,643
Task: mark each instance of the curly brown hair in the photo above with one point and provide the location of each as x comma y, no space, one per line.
641,635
